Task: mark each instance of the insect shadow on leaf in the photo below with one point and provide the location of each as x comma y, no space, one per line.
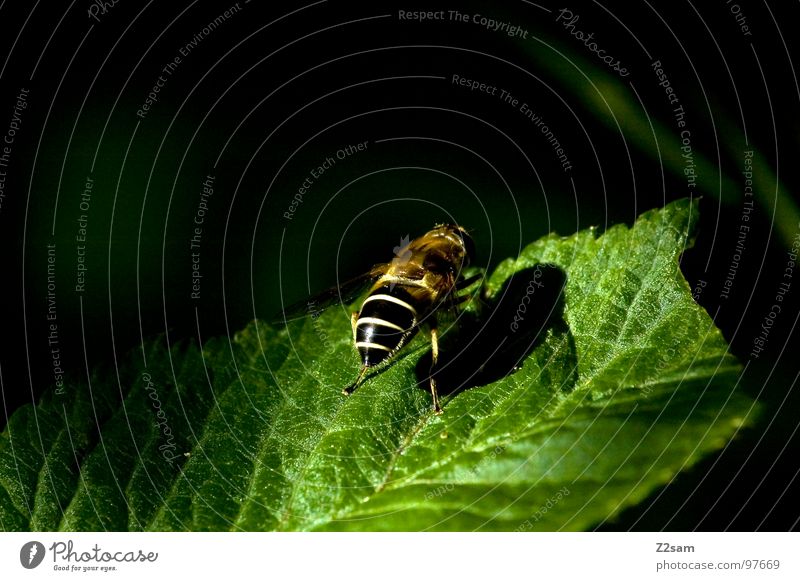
485,347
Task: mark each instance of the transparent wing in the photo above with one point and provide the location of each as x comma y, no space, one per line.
344,293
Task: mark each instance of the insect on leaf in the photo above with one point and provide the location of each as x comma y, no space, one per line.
624,382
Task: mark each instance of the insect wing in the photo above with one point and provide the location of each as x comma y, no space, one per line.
344,293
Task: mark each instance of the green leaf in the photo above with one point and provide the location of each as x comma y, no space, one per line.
609,383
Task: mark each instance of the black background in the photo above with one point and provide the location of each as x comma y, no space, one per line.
258,105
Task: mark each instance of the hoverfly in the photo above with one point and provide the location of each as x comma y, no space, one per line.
406,293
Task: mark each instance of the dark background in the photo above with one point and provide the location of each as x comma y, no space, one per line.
274,90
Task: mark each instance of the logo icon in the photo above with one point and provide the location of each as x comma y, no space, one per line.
402,254
31,554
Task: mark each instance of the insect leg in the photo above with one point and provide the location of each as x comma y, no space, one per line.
352,387
464,283
454,300
353,320
434,361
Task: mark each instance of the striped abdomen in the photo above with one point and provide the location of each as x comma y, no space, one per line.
388,319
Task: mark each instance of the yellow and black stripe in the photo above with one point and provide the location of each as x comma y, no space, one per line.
388,319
